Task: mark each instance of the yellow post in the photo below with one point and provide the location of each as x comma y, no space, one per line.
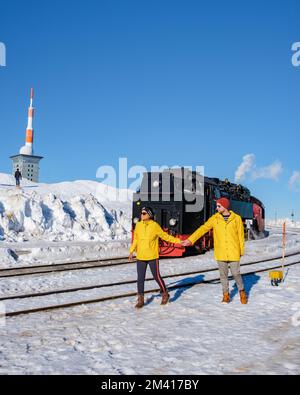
278,276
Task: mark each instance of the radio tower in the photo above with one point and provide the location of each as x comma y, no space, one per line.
26,161
28,147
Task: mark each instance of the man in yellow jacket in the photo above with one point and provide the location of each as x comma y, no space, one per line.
146,237
229,245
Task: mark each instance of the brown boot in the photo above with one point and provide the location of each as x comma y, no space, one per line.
243,297
226,298
165,298
140,302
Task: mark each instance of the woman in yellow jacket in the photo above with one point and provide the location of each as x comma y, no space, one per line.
229,245
146,237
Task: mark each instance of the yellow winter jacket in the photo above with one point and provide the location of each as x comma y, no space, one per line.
229,237
146,237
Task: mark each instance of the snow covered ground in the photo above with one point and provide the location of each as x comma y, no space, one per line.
60,252
194,334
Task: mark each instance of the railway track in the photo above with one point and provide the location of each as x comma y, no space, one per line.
80,265
131,294
62,267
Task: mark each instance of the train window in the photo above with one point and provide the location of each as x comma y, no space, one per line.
217,193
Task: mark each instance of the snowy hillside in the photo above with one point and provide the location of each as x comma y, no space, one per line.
69,211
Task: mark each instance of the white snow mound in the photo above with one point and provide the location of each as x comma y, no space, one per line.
69,211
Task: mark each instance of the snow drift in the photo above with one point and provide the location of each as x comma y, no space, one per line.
69,211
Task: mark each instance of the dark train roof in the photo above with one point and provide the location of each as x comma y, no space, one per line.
226,188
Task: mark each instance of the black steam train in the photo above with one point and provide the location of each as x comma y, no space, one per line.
183,200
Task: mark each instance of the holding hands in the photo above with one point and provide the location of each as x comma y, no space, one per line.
186,243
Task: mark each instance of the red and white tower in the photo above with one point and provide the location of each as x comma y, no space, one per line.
26,161
28,147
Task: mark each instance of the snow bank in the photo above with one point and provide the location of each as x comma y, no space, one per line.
70,211
280,222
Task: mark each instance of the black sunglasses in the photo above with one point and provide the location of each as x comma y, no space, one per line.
143,213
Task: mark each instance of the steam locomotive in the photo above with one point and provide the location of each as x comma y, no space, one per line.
183,200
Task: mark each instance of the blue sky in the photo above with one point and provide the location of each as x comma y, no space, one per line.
159,82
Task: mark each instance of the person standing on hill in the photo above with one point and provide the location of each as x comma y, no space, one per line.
18,177
229,245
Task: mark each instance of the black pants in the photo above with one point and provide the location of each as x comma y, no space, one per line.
141,272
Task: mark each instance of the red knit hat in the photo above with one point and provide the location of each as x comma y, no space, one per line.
224,202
